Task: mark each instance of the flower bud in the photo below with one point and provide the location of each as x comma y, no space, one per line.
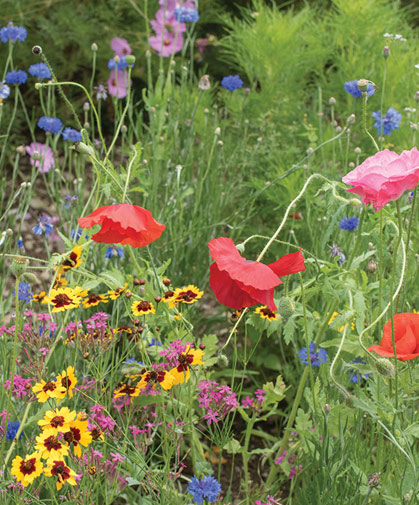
21,149
286,308
94,47
332,100
166,281
130,59
357,150
37,50
83,148
371,267
128,294
19,265
36,156
157,299
116,59
351,119
363,85
86,106
386,51
385,367
223,360
29,277
240,248
217,131
374,479
327,408
124,128
204,83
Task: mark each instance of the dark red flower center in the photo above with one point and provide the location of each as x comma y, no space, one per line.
95,433
266,312
66,382
52,443
27,467
155,376
73,436
94,298
57,421
186,296
70,262
49,386
60,470
62,300
143,306
168,295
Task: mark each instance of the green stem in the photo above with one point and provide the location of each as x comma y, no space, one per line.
246,457
364,120
358,236
380,262
383,88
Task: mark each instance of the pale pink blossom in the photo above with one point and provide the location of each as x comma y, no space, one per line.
384,177
46,161
120,47
118,83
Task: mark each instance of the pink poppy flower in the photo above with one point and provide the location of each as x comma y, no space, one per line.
384,177
45,153
118,83
120,47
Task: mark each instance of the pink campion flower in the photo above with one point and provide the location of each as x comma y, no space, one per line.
120,47
45,153
384,177
118,83
247,402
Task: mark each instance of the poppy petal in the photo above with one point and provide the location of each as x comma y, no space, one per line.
288,264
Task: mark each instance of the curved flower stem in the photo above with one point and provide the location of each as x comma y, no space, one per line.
383,89
358,236
396,293
380,262
341,388
393,273
364,120
129,174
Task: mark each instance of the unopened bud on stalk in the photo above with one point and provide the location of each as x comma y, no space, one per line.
351,119
310,151
223,360
124,128
386,51
38,85
351,164
130,59
220,143
374,479
286,308
332,100
21,149
363,85
94,47
9,232
371,267
37,50
86,106
29,277
116,58
385,367
217,131
357,150
327,408
83,148
240,248
204,83
19,265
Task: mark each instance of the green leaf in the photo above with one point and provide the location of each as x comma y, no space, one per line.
289,329
233,446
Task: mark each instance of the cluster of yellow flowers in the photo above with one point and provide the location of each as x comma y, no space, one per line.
61,429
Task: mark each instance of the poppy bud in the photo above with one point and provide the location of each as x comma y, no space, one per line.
204,83
29,277
286,308
222,360
354,202
83,148
327,408
357,150
130,59
384,367
19,266
351,120
166,282
362,85
417,96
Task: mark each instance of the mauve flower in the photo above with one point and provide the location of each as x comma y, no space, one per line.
406,337
45,153
123,224
120,47
384,177
118,83
238,282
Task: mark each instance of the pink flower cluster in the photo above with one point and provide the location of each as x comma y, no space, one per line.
291,461
118,80
106,467
256,402
104,422
271,501
217,400
168,38
21,386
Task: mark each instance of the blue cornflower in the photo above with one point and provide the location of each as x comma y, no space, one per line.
50,124
43,226
120,65
316,357
100,92
4,91
133,360
208,488
13,33
352,88
20,244
12,429
349,223
16,77
186,15
114,250
71,134
75,234
69,199
231,82
356,376
336,251
389,122
24,293
153,341
40,70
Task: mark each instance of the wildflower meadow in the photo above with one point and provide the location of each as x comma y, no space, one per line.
209,252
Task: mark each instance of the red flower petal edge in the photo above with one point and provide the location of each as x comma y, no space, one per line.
123,224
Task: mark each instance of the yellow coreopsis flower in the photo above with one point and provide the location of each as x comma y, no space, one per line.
49,446
58,419
113,295
188,295
64,298
67,380
162,377
189,357
142,308
92,300
26,470
76,435
59,469
73,260
124,389
51,389
265,313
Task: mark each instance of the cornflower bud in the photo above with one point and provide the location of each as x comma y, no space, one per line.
386,51
204,83
94,47
332,100
363,85
351,119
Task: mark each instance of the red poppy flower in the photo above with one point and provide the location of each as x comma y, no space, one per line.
123,224
406,337
238,282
